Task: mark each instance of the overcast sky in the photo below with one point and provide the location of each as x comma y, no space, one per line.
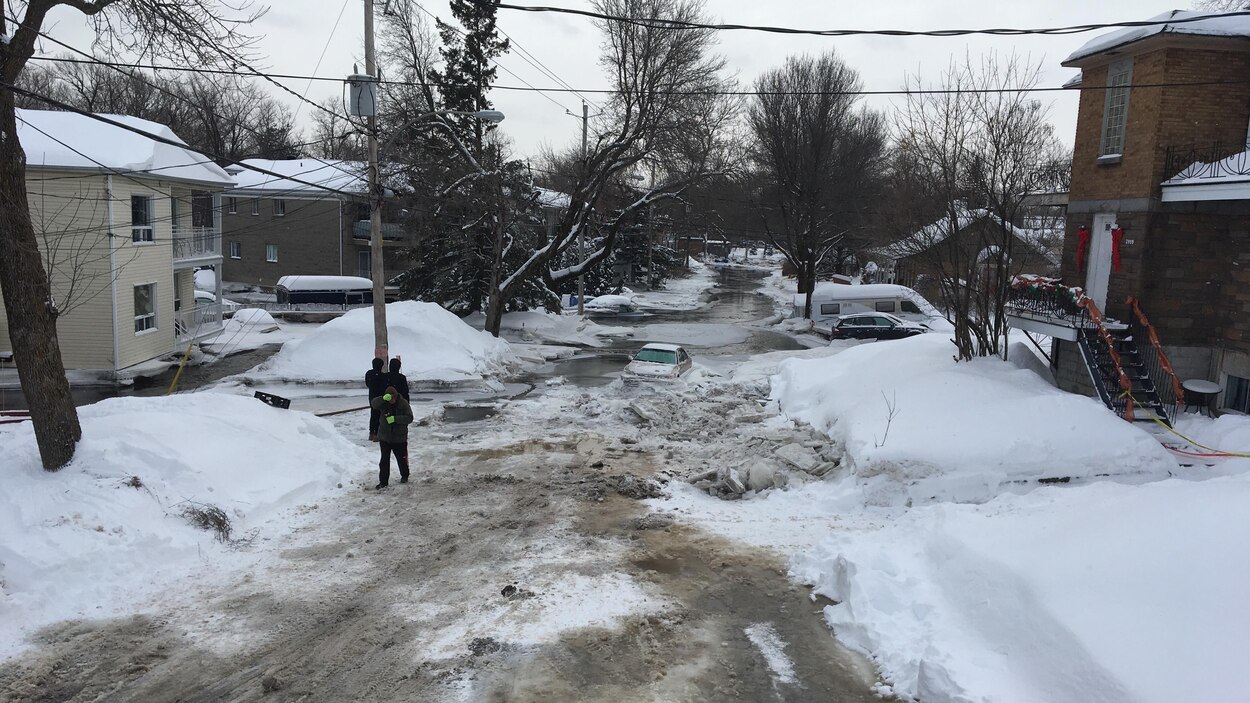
296,31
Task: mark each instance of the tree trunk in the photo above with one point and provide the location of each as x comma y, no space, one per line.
28,306
495,304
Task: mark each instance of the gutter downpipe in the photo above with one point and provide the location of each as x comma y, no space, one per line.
113,275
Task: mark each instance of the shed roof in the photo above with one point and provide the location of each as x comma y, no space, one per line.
318,176
69,140
293,283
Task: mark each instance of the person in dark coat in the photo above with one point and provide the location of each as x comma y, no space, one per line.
397,379
375,382
396,415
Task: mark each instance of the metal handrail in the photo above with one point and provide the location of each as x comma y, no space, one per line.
1213,160
1121,378
1159,363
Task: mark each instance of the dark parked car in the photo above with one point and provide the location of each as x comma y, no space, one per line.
875,325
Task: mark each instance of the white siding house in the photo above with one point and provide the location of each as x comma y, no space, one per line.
122,222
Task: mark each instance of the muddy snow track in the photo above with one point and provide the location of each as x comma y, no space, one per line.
455,587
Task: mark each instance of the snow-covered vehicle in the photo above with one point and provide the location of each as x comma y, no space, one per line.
874,325
619,306
658,362
204,297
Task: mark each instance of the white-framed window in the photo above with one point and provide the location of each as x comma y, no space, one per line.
364,264
884,306
145,307
255,206
279,207
271,253
236,250
1236,394
831,308
141,229
232,205
1115,108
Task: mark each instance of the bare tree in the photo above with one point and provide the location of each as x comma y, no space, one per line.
665,111
818,157
1222,5
975,150
199,32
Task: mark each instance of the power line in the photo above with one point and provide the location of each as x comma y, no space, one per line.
323,55
612,91
542,67
999,31
163,140
507,70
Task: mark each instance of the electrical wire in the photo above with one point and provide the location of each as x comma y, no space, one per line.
998,31
542,68
745,93
322,56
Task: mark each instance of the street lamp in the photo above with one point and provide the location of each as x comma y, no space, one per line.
381,342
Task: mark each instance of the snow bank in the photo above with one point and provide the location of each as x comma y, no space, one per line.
434,345
1106,593
960,431
551,328
82,542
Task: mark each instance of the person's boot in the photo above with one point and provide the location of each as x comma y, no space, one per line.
403,479
373,438
379,487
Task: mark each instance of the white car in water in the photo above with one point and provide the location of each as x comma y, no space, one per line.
658,362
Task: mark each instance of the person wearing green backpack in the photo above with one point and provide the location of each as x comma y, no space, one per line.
395,414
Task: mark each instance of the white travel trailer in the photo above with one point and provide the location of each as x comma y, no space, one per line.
832,300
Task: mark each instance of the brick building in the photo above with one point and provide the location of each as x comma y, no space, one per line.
317,224
1165,164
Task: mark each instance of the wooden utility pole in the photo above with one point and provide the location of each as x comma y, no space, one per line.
381,345
581,233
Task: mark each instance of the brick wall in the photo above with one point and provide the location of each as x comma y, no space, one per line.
307,237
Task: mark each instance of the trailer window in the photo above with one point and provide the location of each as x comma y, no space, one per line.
831,308
909,306
885,306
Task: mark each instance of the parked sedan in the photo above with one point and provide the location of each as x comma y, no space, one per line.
658,362
874,325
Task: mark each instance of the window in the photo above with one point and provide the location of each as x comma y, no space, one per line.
141,219
882,322
831,308
364,264
656,356
145,307
884,306
271,253
232,205
236,250
1115,109
909,306
1237,394
255,206
279,207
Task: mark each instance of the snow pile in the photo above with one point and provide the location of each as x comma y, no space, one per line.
94,538
1070,594
550,328
255,317
434,345
959,431
608,302
206,279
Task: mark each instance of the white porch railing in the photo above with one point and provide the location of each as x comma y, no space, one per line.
197,322
196,242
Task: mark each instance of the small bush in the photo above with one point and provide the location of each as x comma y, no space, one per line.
133,482
209,517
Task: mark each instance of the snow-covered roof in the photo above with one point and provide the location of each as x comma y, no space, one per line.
839,292
294,283
662,347
937,232
324,175
1216,25
69,140
552,198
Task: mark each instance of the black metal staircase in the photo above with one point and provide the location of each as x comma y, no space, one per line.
1130,366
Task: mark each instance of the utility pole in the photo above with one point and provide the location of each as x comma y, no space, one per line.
381,345
581,232
650,227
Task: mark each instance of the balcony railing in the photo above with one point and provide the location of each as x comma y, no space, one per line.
197,322
1047,297
196,243
391,231
1215,160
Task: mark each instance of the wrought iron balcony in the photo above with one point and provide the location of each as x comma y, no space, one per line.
1216,160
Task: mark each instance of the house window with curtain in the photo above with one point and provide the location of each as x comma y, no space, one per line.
145,307
271,253
279,207
1115,109
236,250
141,230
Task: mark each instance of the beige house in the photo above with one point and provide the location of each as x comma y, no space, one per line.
123,222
